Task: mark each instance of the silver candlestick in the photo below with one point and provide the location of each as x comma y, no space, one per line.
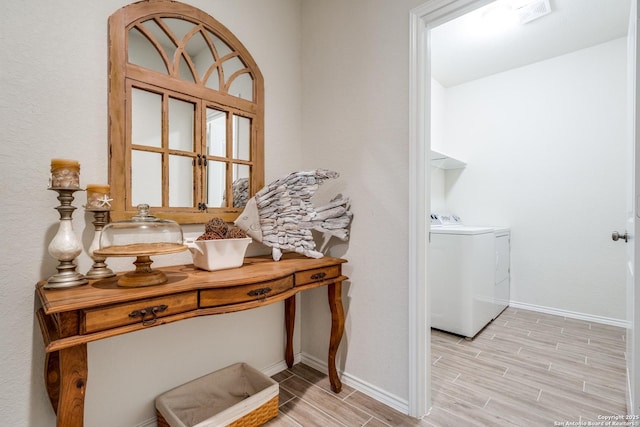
99,269
65,246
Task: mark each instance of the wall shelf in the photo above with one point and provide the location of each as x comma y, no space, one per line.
443,161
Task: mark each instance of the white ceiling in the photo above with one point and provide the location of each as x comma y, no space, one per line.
460,53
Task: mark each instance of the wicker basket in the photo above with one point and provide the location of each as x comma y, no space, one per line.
236,396
257,417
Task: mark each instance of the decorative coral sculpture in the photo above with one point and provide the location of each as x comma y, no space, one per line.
281,215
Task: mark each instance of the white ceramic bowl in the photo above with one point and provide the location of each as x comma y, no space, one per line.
218,254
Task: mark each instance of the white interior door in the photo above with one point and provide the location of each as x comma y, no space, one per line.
633,218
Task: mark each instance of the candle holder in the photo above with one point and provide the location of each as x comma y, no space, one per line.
65,246
99,269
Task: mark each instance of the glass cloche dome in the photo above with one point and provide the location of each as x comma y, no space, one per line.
143,232
142,236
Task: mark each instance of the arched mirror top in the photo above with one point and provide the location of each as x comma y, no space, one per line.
188,51
186,114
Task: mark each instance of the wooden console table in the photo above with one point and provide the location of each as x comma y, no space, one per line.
72,317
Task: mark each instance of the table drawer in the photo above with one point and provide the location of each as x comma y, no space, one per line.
244,293
143,311
315,275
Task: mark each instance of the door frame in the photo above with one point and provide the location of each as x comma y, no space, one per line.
422,18
633,221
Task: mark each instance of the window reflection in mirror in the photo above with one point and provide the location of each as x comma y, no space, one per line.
216,132
242,138
190,141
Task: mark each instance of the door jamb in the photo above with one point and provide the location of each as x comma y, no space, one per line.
421,19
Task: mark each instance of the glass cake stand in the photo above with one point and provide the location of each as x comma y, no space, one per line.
143,275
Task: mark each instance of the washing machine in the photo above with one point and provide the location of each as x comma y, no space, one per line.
469,276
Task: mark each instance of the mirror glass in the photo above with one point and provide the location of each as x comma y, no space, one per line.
181,125
186,114
216,132
242,138
216,174
179,27
221,47
240,185
232,65
180,181
142,52
146,178
202,58
242,87
185,71
146,118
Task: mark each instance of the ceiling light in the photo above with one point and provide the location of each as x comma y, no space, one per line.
530,10
501,16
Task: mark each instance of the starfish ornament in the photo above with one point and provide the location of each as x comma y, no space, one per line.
105,201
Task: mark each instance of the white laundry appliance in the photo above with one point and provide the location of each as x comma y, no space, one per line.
503,269
469,275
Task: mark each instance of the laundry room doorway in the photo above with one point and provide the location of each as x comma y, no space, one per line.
431,15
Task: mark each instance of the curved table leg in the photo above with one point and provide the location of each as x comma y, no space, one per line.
66,380
337,329
289,321
52,378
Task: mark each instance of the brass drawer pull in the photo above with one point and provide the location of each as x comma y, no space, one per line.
151,311
262,292
318,276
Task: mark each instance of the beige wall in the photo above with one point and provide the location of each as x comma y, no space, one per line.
355,120
336,97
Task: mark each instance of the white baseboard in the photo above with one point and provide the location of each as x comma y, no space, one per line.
151,422
377,393
571,314
280,366
362,386
370,390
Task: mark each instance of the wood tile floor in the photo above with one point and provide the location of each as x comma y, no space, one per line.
529,369
524,369
306,400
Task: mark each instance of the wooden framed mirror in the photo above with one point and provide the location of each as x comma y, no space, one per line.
186,114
